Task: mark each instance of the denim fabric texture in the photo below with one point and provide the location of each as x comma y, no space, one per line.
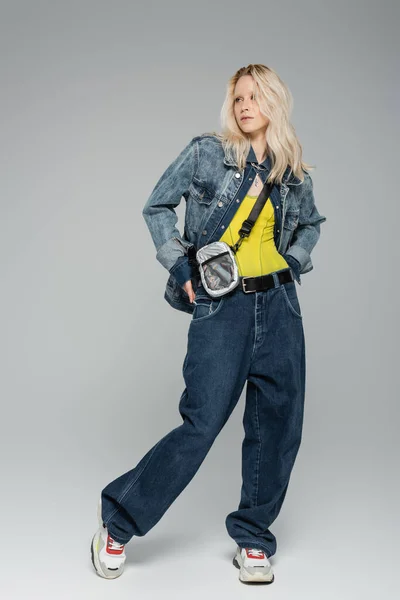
258,338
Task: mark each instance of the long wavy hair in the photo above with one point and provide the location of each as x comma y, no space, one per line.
275,102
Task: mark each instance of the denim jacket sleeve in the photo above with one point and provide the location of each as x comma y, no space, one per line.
307,232
161,218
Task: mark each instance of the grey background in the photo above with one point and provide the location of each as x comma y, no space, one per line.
97,98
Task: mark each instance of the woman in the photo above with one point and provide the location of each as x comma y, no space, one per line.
254,334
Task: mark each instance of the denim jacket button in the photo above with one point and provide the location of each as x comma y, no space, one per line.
204,231
220,203
237,174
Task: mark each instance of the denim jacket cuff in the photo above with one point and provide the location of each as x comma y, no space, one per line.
181,270
293,263
302,256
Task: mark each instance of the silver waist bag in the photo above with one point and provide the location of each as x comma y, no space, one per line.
218,269
216,261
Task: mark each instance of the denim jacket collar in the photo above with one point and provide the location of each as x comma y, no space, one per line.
288,176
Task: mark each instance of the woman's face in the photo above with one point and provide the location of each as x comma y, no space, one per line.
244,104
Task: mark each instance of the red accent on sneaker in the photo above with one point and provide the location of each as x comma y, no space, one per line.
252,553
111,546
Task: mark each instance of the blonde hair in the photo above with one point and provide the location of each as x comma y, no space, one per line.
275,102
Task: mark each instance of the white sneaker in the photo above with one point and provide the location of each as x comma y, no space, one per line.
108,556
254,565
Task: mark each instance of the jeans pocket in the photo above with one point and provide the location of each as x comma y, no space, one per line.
290,295
206,307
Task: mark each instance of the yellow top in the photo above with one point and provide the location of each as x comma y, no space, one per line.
257,254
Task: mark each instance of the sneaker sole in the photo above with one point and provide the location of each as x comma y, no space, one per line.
246,577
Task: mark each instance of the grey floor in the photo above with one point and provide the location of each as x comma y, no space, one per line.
335,532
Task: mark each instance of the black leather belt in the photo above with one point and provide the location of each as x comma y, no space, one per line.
264,282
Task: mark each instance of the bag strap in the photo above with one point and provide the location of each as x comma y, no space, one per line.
248,223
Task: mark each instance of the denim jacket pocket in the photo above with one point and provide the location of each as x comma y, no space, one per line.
201,192
292,219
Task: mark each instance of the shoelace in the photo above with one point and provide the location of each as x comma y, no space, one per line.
113,545
256,552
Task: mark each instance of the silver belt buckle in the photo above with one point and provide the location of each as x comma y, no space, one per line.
243,286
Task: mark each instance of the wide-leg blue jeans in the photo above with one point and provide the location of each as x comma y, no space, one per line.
241,337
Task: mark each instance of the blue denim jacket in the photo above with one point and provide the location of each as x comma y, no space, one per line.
213,188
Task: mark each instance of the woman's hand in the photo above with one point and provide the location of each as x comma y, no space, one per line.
189,290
